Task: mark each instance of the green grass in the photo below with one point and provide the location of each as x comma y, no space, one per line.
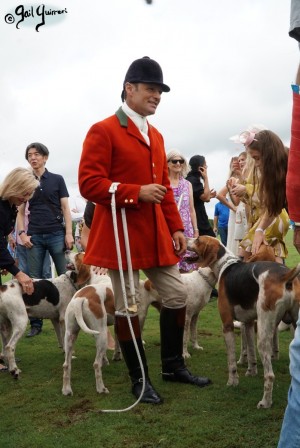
34,413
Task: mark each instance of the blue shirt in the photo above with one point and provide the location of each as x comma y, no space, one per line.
222,211
43,217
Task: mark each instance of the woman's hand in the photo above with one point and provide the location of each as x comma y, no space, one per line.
238,189
259,238
26,282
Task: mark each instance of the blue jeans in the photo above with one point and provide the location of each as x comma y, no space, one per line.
290,430
23,265
223,232
53,244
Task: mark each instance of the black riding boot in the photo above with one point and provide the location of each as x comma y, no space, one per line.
171,333
131,359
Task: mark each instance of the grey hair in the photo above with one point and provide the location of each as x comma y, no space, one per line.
18,182
175,153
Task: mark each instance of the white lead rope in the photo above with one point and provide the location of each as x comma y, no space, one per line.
112,190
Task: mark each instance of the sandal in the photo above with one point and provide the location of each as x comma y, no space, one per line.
3,368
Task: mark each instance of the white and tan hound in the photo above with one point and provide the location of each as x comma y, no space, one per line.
88,311
262,290
199,285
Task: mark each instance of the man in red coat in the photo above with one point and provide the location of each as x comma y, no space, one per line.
293,173
125,149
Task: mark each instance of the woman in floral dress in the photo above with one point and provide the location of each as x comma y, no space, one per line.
183,194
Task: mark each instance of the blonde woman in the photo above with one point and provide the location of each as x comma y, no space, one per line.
183,194
231,202
16,189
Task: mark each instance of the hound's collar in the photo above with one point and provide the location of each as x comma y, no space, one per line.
75,285
205,277
225,264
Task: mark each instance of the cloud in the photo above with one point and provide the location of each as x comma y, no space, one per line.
229,64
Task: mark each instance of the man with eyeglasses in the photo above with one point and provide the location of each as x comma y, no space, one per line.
127,150
50,222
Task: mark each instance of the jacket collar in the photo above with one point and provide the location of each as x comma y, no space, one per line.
131,127
122,117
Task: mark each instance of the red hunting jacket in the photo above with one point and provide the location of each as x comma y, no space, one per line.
293,173
115,151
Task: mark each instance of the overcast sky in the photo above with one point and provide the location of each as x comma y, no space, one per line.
228,63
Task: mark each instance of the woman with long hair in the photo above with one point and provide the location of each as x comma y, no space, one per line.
264,192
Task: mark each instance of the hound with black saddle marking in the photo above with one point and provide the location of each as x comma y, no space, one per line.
264,290
49,301
88,311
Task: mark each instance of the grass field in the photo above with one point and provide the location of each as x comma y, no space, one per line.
35,414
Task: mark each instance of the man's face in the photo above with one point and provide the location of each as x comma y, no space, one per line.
143,98
35,159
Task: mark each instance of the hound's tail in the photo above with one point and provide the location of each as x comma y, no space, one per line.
78,308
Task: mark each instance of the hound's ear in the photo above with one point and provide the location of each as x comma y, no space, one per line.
147,285
209,255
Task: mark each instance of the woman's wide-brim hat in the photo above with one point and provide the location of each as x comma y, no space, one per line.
145,70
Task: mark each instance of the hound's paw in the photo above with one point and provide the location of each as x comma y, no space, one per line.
117,356
186,355
263,404
197,346
15,373
67,391
103,390
233,382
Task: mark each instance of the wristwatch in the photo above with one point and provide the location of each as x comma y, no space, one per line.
20,232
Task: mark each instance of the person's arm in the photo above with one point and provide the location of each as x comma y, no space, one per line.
298,76
221,196
193,212
25,239
84,236
69,240
259,236
206,195
215,228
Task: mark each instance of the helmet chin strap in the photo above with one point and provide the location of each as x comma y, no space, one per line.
132,309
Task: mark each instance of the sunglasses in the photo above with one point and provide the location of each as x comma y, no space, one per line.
176,161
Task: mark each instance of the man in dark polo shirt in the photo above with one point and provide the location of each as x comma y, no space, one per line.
50,223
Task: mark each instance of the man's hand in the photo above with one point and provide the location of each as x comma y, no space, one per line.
152,193
179,242
99,271
69,241
26,240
